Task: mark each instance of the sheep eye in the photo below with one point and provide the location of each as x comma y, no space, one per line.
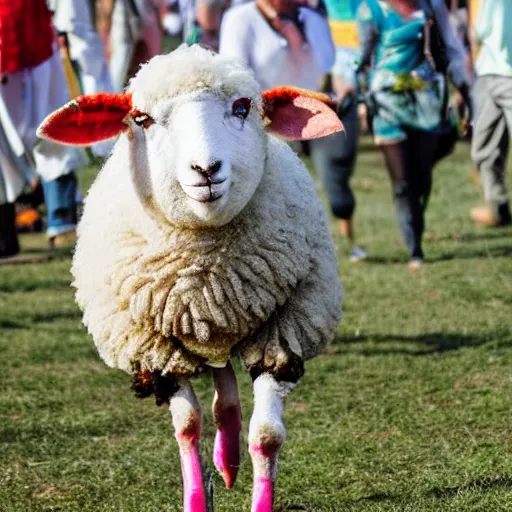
242,107
142,119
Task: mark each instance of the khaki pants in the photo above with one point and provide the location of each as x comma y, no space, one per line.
491,136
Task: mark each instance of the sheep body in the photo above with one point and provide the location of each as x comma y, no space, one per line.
160,298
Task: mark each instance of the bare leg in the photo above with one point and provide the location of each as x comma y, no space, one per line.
186,418
347,230
266,436
228,417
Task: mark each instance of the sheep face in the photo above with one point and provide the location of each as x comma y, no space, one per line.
197,125
206,156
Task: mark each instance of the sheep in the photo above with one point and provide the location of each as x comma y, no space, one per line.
203,239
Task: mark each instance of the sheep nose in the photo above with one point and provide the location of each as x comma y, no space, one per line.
210,170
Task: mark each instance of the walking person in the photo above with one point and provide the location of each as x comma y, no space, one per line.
407,97
493,102
334,157
132,33
32,86
74,22
287,42
15,172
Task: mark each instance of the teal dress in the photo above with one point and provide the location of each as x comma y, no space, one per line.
405,90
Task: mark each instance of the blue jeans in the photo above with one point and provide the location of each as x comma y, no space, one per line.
60,200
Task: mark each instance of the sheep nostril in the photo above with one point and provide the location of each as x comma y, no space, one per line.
215,167
211,169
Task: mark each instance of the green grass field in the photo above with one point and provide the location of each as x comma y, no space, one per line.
409,409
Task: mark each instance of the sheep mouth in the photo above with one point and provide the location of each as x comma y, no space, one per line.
205,193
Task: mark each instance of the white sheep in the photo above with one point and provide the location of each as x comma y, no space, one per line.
203,239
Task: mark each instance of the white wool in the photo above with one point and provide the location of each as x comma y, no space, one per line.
158,295
188,69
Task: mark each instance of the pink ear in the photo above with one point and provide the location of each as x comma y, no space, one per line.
87,119
299,114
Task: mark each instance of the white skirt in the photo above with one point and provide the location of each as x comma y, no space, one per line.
29,96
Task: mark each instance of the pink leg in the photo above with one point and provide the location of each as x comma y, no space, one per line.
266,436
228,417
186,418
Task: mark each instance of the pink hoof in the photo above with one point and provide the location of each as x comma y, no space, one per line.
262,495
226,454
195,501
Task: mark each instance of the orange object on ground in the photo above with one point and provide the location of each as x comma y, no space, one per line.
26,220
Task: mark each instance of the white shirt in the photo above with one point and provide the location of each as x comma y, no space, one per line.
247,36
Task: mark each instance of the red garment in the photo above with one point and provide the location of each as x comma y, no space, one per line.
26,34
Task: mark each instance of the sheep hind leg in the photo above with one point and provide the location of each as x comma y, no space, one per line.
186,418
266,436
228,417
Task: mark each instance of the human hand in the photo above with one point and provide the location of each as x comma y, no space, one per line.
289,30
34,183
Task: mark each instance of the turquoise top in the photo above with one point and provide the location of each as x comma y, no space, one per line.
400,45
405,91
494,32
342,10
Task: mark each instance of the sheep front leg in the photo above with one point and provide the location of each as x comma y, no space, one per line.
186,418
266,436
228,417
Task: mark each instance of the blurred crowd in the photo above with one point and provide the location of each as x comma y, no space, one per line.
418,75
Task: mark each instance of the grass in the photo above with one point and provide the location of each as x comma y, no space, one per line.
409,409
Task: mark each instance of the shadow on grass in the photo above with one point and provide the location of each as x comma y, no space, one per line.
466,253
480,485
484,484
9,324
50,316
436,342
494,234
31,286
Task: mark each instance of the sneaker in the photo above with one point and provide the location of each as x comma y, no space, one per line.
63,240
358,254
415,264
483,215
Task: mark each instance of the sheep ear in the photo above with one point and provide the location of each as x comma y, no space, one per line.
87,119
298,114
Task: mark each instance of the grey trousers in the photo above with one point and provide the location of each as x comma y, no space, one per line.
491,134
333,158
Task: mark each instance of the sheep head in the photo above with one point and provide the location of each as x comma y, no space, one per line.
197,127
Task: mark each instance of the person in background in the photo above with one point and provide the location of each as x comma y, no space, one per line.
493,102
204,19
33,85
15,172
407,97
285,42
334,157
132,32
288,42
73,20
172,19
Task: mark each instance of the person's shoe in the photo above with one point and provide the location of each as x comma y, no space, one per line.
63,240
483,215
358,254
415,264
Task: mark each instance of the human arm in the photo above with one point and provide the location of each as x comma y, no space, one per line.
104,12
368,35
455,52
483,25
318,35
